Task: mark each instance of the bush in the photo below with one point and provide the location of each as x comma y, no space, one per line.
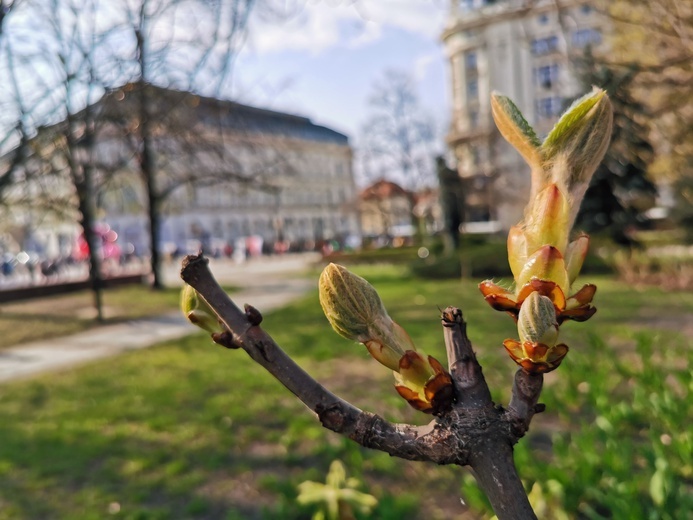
486,258
485,261
669,267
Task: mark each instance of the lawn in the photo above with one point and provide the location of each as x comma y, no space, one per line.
32,320
190,430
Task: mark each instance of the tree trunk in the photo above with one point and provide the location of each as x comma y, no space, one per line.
153,203
147,159
85,194
154,226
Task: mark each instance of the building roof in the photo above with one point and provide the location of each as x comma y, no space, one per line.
382,189
229,114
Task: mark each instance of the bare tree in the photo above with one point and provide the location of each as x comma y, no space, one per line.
60,79
654,39
101,46
398,138
213,37
649,42
194,142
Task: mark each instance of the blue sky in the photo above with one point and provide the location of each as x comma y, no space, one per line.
323,62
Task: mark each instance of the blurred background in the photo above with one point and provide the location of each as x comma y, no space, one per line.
277,135
134,132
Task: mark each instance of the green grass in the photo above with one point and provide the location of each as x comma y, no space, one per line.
49,317
190,430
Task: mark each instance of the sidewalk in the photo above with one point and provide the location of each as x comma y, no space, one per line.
265,283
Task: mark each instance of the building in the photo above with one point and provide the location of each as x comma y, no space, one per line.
520,48
386,211
225,171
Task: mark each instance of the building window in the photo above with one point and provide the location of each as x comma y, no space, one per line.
586,9
544,45
472,89
470,62
549,107
470,5
543,19
585,37
546,76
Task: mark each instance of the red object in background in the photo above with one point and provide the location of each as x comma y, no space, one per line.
108,249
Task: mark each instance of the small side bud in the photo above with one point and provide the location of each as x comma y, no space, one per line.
188,299
197,311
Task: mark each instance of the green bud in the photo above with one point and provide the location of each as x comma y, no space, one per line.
197,311
536,322
355,311
188,299
349,302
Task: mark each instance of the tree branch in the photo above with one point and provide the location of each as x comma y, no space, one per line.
524,400
474,432
470,385
369,430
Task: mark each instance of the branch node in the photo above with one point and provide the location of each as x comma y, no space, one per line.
225,339
539,407
452,316
254,316
331,417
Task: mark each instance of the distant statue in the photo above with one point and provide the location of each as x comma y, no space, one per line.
452,200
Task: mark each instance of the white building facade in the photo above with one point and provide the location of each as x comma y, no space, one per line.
228,171
521,49
289,181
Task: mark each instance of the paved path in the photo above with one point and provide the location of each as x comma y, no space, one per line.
265,283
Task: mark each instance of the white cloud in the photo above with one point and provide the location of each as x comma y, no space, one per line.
321,25
424,17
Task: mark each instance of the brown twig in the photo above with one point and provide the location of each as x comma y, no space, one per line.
473,432
471,388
